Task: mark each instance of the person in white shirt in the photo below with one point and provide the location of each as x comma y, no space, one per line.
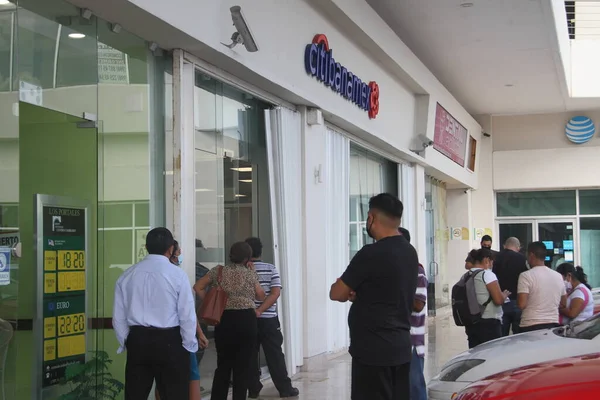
154,319
541,291
580,301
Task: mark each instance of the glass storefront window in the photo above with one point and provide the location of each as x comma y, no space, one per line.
90,125
542,203
370,174
231,183
589,237
589,202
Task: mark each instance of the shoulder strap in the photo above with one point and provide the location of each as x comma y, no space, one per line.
219,274
586,296
483,280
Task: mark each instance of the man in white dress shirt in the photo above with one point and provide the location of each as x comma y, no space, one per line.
154,319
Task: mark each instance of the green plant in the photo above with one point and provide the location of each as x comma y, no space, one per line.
91,380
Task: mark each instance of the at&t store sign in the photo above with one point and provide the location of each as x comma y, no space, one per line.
319,62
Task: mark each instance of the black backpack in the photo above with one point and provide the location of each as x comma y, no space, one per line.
466,310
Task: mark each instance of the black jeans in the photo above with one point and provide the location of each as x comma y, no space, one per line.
511,318
156,354
483,331
235,339
271,340
380,383
538,327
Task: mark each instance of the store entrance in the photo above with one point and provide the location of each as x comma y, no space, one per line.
558,237
57,155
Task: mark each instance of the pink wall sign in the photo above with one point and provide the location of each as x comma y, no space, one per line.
450,137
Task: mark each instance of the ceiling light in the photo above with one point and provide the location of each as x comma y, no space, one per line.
242,169
246,180
509,85
240,195
467,5
204,190
76,35
4,2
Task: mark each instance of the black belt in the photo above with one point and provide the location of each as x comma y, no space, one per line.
153,328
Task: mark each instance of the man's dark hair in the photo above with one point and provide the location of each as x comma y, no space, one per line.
404,232
538,249
388,204
486,238
482,254
256,245
159,241
240,252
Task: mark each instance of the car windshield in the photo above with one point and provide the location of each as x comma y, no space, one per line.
588,329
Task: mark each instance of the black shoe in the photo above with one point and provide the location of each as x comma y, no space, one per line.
292,393
253,394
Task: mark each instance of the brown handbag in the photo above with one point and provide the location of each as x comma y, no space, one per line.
214,302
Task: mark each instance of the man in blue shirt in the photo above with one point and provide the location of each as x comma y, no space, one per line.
154,319
269,329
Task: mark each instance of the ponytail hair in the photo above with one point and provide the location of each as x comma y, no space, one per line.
581,276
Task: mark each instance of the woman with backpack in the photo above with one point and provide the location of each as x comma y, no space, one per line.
489,297
580,302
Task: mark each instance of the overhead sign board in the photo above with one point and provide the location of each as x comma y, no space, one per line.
63,260
450,137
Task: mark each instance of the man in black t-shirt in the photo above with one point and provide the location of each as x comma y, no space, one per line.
508,267
381,280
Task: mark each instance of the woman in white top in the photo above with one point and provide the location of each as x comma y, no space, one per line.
489,327
580,302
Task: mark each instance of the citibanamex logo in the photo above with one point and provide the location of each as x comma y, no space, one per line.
374,100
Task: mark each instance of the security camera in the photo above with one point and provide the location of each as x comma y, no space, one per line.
243,34
425,141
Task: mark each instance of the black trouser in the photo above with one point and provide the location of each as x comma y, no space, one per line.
380,383
271,339
538,327
483,331
156,354
511,318
235,339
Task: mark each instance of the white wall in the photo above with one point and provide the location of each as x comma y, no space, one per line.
532,152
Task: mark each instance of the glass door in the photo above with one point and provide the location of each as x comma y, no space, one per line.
559,238
522,230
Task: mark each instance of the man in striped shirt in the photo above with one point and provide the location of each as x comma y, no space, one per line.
269,329
418,389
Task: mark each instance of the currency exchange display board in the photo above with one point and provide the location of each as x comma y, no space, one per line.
63,247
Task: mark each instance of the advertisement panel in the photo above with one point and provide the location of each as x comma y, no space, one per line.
450,137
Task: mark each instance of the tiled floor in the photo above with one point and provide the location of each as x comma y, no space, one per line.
444,340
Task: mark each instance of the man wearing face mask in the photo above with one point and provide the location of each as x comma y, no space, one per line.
381,280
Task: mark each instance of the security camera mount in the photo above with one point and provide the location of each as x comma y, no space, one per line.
242,35
236,39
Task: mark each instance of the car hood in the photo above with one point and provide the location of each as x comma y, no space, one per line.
520,350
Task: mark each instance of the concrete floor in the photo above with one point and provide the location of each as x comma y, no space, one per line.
332,382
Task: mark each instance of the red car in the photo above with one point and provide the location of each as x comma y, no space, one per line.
568,378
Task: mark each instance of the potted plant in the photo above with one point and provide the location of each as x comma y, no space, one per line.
91,380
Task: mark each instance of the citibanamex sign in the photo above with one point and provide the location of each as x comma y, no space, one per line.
320,63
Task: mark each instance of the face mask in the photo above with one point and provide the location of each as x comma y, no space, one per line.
568,286
179,259
369,226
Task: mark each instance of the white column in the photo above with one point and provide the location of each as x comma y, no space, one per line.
183,159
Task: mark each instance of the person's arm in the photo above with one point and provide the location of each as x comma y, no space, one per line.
259,291
345,287
269,300
275,287
119,320
522,291
498,297
186,311
202,339
421,293
201,285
